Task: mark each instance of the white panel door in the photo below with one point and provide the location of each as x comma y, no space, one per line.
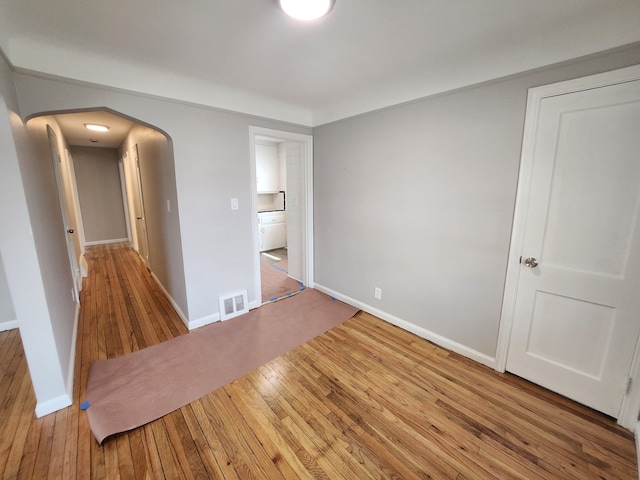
296,209
577,308
66,215
141,218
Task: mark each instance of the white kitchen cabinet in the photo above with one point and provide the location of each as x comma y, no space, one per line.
267,168
273,236
273,230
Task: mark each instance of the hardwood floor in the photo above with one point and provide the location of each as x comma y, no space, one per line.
364,400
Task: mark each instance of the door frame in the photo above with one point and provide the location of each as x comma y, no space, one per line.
628,416
307,140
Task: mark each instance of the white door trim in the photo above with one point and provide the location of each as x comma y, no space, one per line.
307,140
630,409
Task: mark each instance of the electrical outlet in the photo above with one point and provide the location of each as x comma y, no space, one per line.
377,292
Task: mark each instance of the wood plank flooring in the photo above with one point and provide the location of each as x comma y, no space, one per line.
364,400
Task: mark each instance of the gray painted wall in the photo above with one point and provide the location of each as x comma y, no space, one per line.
415,199
212,165
418,200
158,180
49,233
100,193
7,312
32,250
8,161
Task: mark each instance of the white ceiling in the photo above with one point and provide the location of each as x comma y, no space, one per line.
72,124
246,56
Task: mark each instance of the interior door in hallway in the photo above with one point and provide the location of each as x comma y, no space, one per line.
140,223
66,214
577,308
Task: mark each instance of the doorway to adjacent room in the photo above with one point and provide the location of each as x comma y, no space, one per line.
283,180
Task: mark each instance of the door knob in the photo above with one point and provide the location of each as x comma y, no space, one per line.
138,218
70,230
531,262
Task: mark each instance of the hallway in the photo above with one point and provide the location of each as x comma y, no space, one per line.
123,310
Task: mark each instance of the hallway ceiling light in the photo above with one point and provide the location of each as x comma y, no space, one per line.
306,9
96,128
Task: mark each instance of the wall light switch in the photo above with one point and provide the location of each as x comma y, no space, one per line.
377,292
169,206
234,204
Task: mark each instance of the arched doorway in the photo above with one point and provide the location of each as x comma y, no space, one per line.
118,183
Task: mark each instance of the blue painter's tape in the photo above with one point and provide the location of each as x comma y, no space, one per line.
84,405
278,268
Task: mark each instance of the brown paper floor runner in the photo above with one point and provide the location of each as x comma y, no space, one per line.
137,388
276,284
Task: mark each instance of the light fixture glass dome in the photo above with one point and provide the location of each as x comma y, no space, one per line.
96,127
306,9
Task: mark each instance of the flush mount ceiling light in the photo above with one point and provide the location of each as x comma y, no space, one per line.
307,9
96,128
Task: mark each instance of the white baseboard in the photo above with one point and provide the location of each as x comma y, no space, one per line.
190,324
53,405
201,322
84,266
105,242
254,304
636,434
9,325
72,357
182,316
413,328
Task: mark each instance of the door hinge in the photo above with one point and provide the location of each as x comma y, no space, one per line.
627,385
